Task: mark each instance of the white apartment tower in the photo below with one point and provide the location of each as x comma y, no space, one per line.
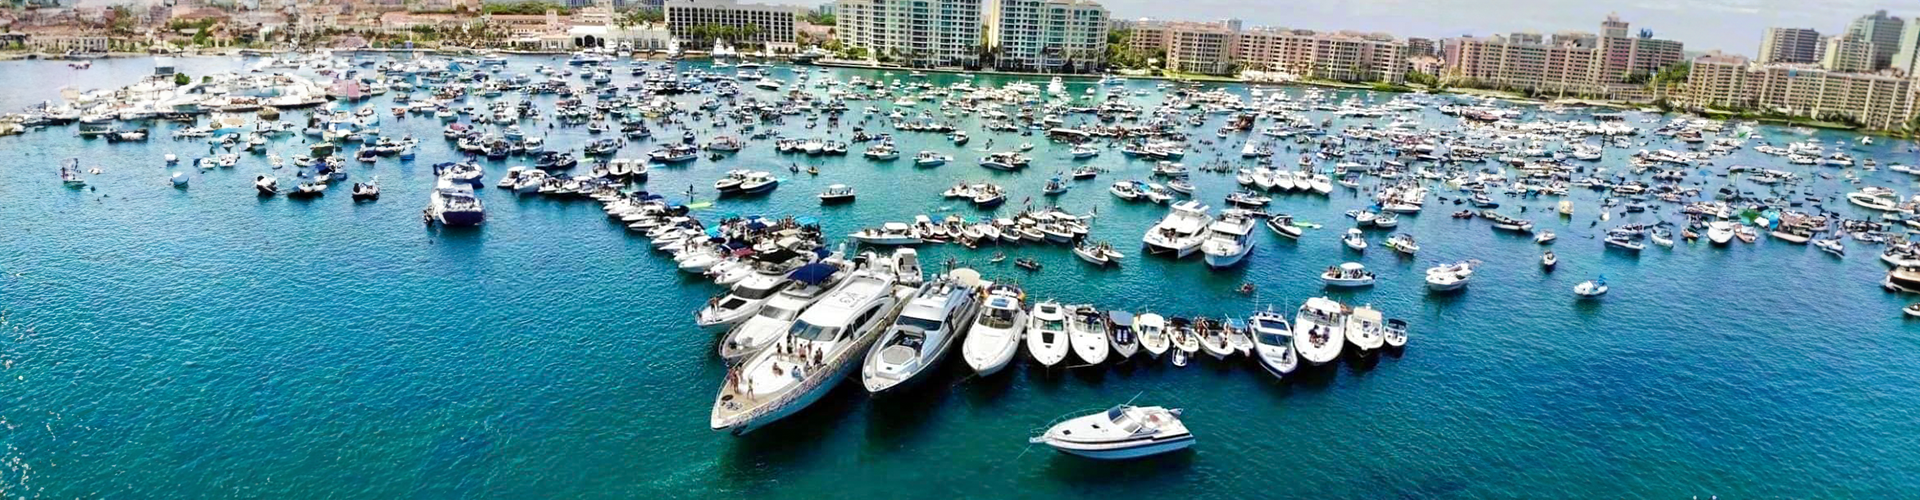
1047,35
921,33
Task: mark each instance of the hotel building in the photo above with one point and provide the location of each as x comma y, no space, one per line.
774,23
921,33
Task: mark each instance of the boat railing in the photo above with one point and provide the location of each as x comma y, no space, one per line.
831,366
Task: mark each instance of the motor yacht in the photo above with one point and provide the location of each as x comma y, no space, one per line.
1450,277
932,322
1229,239
1151,331
1120,334
1318,330
1181,232
820,348
1087,332
742,300
1365,328
1121,432
1273,342
1046,333
995,335
776,315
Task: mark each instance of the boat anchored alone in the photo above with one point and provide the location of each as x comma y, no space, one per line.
1121,432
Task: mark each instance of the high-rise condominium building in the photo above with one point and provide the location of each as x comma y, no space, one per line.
1790,45
1047,35
1883,31
916,32
761,23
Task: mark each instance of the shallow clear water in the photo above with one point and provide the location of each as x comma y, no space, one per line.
204,342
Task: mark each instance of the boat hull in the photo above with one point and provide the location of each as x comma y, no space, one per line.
1129,452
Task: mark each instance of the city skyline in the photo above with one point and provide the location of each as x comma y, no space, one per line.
1731,26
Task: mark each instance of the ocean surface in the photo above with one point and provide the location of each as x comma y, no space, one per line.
203,342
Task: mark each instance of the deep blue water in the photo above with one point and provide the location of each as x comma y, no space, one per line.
204,342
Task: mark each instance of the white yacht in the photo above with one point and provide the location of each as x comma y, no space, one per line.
1151,330
1364,328
1047,333
772,319
1087,331
1228,239
1450,277
742,301
820,348
1720,232
1318,330
936,315
1121,432
1181,231
995,335
1273,342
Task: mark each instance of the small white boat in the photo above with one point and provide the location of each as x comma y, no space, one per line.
1355,240
1121,432
1350,274
1449,277
1087,332
837,193
1047,333
1594,288
1273,342
1544,237
179,180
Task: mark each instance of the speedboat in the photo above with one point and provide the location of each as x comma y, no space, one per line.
1544,237
930,159
1594,288
1832,246
1364,328
837,193
1087,332
742,301
1402,243
1047,333
367,191
995,335
1720,232
1396,333
1548,260
1282,224
1151,331
1625,243
1347,275
1273,342
1121,432
1318,332
1355,240
933,319
1120,335
1449,277
267,186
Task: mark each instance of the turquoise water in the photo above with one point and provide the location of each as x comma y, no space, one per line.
204,342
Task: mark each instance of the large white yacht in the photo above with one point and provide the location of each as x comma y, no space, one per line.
1273,342
936,315
1228,241
1047,333
739,304
1318,330
823,345
1181,231
771,320
995,335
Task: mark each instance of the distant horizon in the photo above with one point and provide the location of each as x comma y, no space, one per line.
1729,26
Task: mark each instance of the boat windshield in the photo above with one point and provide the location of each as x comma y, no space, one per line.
917,324
814,333
750,293
778,313
1118,415
1052,325
1273,339
997,318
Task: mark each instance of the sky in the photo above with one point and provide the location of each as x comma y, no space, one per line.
1733,26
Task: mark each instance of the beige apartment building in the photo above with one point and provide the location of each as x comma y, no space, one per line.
1876,100
1206,49
1567,62
1344,56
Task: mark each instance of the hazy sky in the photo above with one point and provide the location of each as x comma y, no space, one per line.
1729,25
